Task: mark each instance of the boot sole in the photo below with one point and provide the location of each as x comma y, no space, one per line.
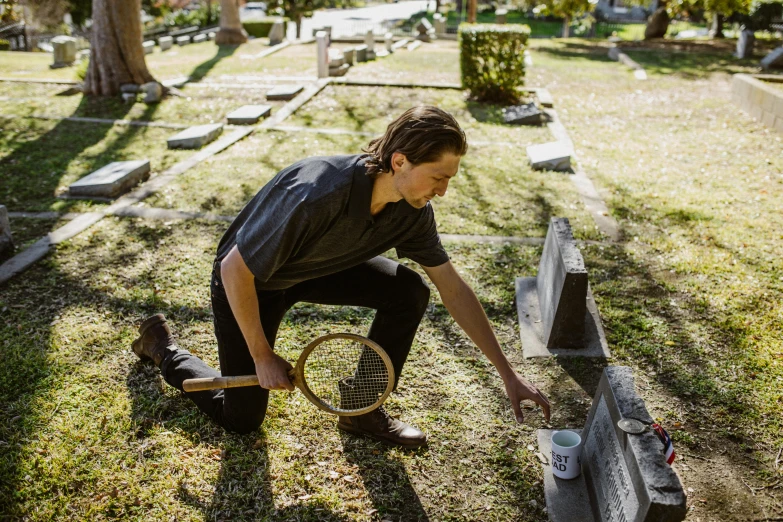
392,442
152,321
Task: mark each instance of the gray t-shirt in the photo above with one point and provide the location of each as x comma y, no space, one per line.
313,219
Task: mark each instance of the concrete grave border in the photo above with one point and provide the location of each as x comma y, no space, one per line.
617,55
760,100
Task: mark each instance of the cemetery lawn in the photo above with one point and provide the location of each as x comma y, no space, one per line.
436,62
691,300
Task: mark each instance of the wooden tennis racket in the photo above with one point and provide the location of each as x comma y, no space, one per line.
341,373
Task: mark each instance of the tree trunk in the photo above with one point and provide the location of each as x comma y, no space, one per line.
209,13
298,20
471,11
437,6
116,53
716,31
566,26
459,10
658,24
231,31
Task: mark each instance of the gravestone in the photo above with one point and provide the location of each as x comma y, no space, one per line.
149,46
526,114
555,155
277,33
545,98
211,35
361,53
425,30
6,240
248,114
745,44
195,137
369,41
64,51
200,38
165,42
112,180
773,60
500,16
389,42
440,23
624,476
399,43
284,92
556,310
348,55
336,57
414,45
321,54
183,40
153,92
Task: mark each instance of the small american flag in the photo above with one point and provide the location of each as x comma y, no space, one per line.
668,447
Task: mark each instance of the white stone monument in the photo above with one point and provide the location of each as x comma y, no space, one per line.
64,49
322,53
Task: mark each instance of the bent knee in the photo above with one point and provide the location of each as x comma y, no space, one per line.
245,425
416,291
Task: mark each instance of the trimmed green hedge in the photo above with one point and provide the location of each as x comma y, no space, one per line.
492,60
5,45
260,28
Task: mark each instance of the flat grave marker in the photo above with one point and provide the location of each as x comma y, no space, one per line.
200,38
149,46
248,114
165,42
195,137
284,92
183,40
556,310
555,155
624,476
111,180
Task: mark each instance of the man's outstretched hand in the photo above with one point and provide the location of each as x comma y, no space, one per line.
520,389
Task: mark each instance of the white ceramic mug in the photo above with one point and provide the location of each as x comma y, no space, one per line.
566,454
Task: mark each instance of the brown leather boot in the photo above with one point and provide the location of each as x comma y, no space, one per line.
155,339
379,425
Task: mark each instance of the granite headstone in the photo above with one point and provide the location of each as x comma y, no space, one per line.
248,114
526,114
284,92
111,180
277,33
195,137
556,310
555,155
625,476
64,51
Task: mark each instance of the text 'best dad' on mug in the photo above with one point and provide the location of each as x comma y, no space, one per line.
566,454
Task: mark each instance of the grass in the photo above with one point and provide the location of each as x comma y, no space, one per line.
195,104
371,109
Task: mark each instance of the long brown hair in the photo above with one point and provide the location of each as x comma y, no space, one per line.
422,133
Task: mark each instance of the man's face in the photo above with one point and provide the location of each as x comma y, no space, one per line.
417,184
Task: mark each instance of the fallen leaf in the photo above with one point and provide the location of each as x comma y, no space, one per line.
305,497
349,478
334,475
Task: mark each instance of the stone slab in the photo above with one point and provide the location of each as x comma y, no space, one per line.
200,38
525,114
566,500
165,42
555,155
183,40
149,46
195,137
624,476
284,92
339,71
248,114
361,53
545,98
557,312
414,45
277,33
111,180
400,43
773,60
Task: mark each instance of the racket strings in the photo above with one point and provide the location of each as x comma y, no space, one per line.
346,374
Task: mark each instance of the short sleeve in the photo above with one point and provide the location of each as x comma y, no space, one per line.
423,246
273,232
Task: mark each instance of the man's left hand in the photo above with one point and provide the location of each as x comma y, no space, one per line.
520,389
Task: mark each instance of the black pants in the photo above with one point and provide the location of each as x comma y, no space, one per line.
399,294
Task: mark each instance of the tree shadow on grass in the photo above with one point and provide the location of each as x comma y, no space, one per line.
576,51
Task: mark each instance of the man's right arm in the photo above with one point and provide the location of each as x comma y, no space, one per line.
238,281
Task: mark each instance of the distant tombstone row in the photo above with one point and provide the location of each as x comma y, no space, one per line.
624,474
6,240
557,313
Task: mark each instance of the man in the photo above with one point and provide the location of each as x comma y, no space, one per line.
314,234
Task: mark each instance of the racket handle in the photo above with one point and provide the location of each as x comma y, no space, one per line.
217,383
